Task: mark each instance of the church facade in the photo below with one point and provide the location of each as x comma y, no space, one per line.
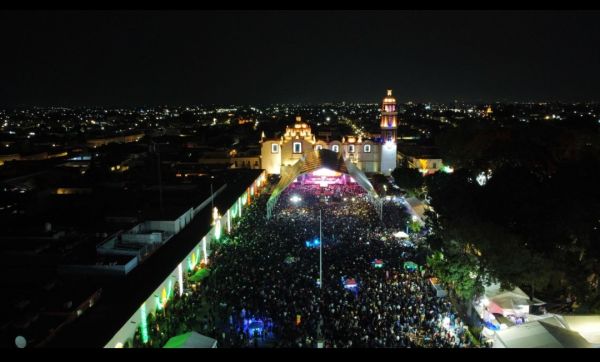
369,155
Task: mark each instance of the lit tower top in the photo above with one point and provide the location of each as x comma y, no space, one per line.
388,117
300,130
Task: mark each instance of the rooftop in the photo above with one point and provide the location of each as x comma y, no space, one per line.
121,299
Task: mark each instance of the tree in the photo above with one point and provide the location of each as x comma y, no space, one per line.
458,270
535,222
410,179
414,226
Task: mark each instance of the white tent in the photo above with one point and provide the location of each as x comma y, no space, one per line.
539,334
586,325
401,235
191,340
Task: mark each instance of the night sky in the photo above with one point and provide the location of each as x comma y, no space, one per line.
63,58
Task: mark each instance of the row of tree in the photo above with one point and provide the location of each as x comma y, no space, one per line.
536,221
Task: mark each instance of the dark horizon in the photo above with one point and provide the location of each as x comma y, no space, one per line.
152,58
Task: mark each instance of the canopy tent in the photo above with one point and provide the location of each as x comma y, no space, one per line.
496,300
350,283
586,325
191,340
401,235
315,160
411,266
539,334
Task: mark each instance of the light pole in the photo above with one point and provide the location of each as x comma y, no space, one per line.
320,341
212,202
320,252
160,189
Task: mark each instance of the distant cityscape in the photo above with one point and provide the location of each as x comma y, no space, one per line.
37,133
90,194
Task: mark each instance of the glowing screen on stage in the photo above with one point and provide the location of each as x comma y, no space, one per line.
326,172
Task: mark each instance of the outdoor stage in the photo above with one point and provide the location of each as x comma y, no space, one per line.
324,177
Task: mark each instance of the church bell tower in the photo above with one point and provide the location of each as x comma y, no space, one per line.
388,133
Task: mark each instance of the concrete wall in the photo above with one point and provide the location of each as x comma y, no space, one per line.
114,270
168,226
110,250
155,237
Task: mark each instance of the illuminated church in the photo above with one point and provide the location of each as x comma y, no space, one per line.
368,155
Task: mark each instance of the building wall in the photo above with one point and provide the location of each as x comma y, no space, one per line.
114,270
288,157
173,226
198,254
168,226
321,143
154,237
97,142
368,162
432,165
388,158
252,162
338,144
271,162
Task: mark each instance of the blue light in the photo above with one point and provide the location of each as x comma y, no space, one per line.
313,244
254,326
492,326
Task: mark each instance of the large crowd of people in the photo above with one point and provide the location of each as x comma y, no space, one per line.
265,288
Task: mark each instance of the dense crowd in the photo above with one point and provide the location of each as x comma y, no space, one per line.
182,314
266,290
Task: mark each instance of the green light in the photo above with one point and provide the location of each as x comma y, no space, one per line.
229,222
193,261
144,324
169,290
218,229
180,279
204,250
158,304
447,169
